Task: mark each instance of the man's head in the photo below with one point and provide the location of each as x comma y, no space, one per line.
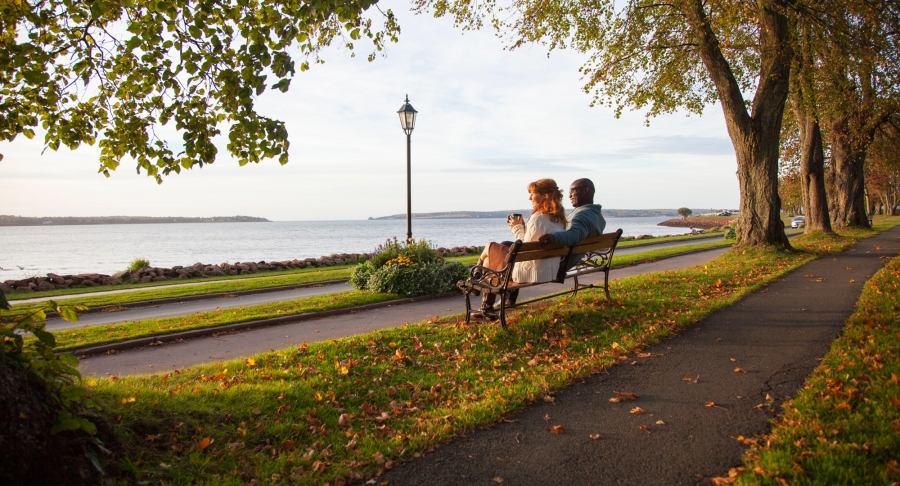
581,192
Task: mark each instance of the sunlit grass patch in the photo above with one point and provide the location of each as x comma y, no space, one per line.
347,409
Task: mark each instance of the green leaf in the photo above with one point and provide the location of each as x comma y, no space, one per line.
67,312
45,337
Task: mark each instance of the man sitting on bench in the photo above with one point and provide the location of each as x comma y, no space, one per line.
584,222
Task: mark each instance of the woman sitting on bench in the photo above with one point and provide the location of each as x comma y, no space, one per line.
547,216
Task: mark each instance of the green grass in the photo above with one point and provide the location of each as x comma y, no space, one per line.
346,409
201,283
72,339
844,425
296,278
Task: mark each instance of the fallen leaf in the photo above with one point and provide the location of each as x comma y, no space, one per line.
287,445
733,360
251,362
204,443
548,398
660,422
594,436
497,480
852,281
352,443
637,411
713,405
547,417
644,355
623,396
556,429
740,370
721,481
344,420
644,428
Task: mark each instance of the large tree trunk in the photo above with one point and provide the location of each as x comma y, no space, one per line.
755,136
812,176
847,199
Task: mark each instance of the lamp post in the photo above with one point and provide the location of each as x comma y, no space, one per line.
407,123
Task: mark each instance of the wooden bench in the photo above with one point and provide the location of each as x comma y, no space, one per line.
597,253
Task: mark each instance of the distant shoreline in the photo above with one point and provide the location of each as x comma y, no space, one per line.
610,213
6,220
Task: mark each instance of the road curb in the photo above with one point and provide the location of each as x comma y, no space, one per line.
242,326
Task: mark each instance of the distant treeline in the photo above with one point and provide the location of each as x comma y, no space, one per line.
6,220
611,213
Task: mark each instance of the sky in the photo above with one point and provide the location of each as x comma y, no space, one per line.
490,121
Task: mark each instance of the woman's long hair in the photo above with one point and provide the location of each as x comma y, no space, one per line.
552,205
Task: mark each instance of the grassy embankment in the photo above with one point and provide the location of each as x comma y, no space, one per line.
844,425
347,409
72,339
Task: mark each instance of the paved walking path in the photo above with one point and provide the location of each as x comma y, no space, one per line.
778,335
248,343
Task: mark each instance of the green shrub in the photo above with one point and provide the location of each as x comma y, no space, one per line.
407,269
138,264
730,235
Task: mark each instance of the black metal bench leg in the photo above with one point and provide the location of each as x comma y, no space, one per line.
468,308
606,284
503,310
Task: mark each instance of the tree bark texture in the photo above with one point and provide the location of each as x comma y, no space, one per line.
755,136
846,179
812,176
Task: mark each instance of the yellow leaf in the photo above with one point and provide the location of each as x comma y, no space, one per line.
251,362
204,443
128,400
637,411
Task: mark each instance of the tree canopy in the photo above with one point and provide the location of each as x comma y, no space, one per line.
669,56
117,72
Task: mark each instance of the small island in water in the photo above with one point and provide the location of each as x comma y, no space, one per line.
6,220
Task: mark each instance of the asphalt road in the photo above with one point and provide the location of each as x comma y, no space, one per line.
247,343
191,307
777,335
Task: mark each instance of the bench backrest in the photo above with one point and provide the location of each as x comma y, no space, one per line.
533,250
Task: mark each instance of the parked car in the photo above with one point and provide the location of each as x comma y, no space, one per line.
798,222
723,213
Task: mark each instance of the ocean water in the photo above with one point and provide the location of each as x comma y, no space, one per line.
36,250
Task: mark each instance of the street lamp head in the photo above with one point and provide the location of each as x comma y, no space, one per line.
407,116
